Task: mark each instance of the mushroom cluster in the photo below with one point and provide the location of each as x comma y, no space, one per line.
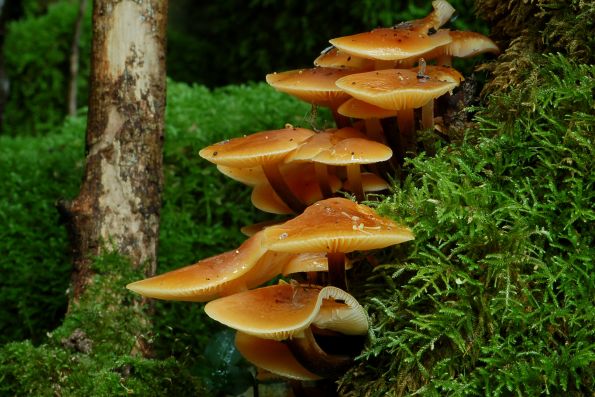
307,326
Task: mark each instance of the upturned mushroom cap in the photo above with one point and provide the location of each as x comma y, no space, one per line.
395,89
315,86
464,45
309,262
354,151
358,109
256,149
331,57
246,267
335,225
283,311
273,356
301,178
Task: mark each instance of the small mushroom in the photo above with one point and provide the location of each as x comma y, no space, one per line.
315,86
266,149
331,57
335,226
401,90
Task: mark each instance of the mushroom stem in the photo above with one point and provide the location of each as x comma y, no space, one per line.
444,60
336,269
281,188
307,351
406,124
354,176
427,115
340,120
374,129
322,177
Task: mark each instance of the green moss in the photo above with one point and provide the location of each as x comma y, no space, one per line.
495,294
97,349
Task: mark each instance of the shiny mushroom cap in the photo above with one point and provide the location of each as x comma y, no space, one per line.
256,149
273,356
206,279
335,225
285,310
315,86
403,41
395,89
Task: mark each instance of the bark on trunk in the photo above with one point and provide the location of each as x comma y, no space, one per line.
119,203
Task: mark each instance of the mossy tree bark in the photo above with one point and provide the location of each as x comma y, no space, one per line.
118,206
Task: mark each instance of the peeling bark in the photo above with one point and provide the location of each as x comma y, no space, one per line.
118,206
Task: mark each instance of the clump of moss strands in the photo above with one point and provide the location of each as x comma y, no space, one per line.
495,295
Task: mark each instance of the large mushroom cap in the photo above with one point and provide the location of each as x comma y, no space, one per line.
256,149
315,86
283,311
205,279
273,356
335,225
394,89
403,41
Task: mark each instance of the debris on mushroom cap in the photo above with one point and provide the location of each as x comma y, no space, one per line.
315,86
301,179
333,58
285,310
245,267
335,225
273,356
395,89
256,149
310,262
358,109
354,151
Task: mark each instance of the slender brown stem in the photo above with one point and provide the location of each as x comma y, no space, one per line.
444,60
374,130
280,187
340,120
354,176
307,351
336,269
406,124
427,116
323,181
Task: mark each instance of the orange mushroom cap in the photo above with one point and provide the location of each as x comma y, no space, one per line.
333,58
395,89
256,149
315,86
335,225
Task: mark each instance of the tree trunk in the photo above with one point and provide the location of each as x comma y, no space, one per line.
119,203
